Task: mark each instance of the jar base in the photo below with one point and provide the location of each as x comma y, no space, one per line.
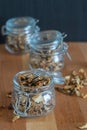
21,114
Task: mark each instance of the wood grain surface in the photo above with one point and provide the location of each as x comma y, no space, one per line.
70,111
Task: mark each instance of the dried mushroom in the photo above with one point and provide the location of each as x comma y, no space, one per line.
9,95
16,117
83,126
74,83
47,59
32,81
17,43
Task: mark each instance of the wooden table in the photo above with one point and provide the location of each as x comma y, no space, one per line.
69,110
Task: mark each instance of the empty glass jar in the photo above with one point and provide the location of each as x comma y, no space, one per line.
18,31
33,93
47,51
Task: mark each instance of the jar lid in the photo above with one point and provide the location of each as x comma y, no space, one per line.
49,39
20,24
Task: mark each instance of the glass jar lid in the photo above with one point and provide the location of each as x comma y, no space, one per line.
49,39
20,24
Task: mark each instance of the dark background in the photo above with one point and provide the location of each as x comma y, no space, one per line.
69,16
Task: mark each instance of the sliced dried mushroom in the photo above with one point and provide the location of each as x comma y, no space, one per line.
83,126
47,60
33,81
39,98
17,43
74,83
83,95
16,117
9,95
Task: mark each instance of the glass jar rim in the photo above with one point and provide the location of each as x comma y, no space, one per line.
63,49
20,24
37,72
48,39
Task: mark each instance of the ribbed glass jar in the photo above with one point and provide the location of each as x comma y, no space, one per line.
33,93
18,31
47,51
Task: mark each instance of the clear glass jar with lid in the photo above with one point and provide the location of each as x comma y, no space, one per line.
47,51
18,31
33,93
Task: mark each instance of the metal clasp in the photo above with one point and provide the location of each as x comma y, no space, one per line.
3,30
64,35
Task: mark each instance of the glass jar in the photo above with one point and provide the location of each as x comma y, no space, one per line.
47,51
18,31
33,93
